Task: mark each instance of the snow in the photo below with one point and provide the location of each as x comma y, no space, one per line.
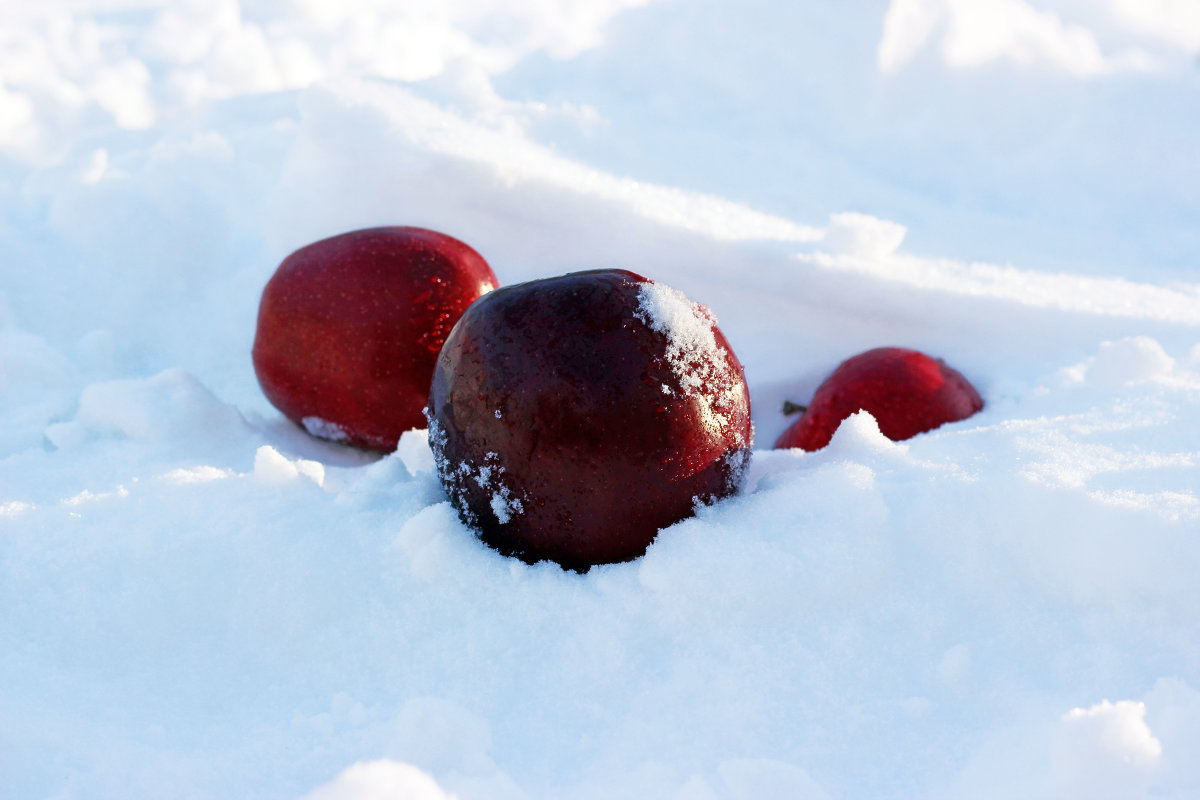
692,350
198,599
380,780
324,429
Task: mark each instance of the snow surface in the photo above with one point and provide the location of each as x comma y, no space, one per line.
200,600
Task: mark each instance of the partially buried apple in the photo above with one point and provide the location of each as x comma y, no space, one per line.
572,418
349,328
906,391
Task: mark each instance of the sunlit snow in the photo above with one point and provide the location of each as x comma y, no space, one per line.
199,599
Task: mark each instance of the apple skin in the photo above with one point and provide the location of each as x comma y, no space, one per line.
906,391
349,329
566,428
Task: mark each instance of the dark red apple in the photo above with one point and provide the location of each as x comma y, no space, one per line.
349,328
906,391
571,418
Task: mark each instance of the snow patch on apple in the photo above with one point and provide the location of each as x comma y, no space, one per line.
505,506
736,464
324,429
692,349
504,502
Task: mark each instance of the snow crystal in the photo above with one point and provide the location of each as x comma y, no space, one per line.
483,476
504,505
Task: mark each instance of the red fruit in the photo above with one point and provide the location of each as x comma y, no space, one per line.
349,329
907,393
571,418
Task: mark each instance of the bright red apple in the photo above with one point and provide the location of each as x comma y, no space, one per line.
571,418
349,328
906,391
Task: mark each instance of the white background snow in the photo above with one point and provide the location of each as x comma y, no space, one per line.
197,600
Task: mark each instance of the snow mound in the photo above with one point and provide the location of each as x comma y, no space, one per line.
382,779
272,467
168,405
1130,360
859,434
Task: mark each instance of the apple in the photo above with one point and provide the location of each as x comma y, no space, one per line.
349,329
906,391
572,418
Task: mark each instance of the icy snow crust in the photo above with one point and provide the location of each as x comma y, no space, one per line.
198,599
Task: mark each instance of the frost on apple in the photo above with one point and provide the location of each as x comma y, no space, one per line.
736,462
488,477
504,505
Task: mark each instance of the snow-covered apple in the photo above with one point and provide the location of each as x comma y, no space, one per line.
349,328
572,418
905,390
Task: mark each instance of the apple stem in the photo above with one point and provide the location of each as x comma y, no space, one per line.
790,408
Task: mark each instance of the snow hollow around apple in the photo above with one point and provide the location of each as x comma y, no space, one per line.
198,599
